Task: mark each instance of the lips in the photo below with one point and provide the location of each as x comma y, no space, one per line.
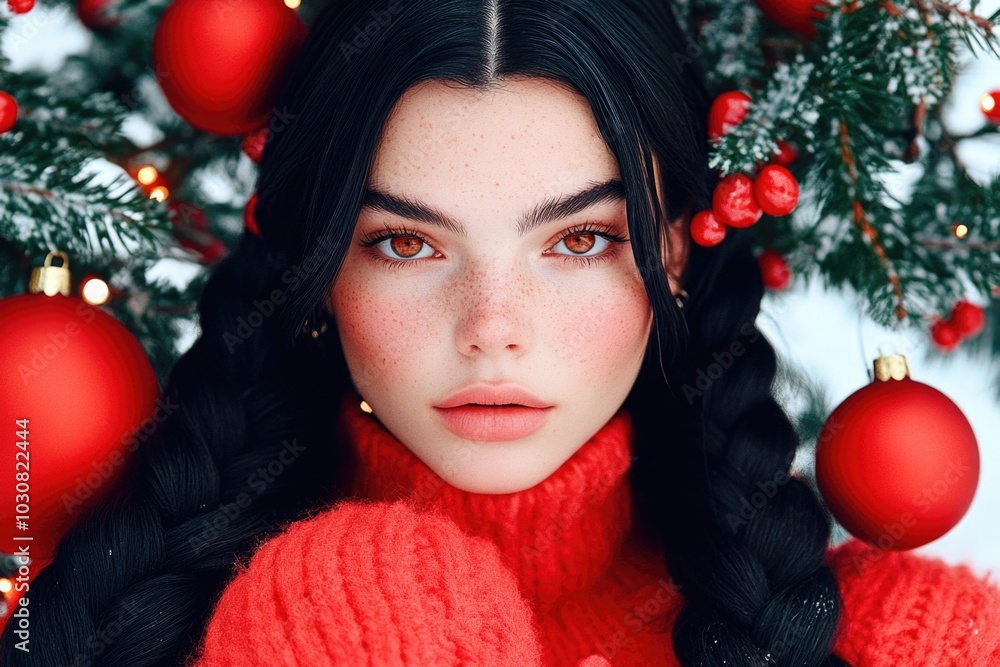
496,412
493,394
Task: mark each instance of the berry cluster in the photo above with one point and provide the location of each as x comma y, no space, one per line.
739,200
966,320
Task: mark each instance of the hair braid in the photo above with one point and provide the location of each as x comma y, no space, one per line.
756,587
132,582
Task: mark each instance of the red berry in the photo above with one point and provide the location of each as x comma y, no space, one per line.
944,334
98,14
774,270
254,142
727,111
20,6
734,203
706,230
776,190
967,318
8,111
786,154
249,220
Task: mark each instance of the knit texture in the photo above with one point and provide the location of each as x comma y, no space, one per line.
409,571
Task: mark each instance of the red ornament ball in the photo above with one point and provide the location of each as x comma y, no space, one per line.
706,230
98,14
249,219
8,111
776,190
990,105
76,388
794,15
734,203
727,111
254,142
945,335
774,270
897,463
220,64
967,318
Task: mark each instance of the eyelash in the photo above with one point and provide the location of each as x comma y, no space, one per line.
374,238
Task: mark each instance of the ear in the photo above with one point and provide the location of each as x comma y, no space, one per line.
675,244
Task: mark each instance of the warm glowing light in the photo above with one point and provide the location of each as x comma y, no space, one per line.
6,586
292,4
147,175
988,102
365,407
95,291
159,193
960,230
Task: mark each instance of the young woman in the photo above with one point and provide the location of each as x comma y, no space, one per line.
483,203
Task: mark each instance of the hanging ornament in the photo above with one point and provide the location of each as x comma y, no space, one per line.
897,462
220,65
99,15
990,105
774,270
75,387
795,15
776,190
8,111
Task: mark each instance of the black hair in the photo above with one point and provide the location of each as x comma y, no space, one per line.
133,583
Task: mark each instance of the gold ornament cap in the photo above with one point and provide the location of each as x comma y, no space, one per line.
51,280
891,367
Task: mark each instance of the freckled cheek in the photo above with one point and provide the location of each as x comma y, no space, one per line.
381,334
606,328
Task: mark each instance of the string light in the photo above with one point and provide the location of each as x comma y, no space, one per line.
95,291
960,230
159,193
5,585
292,4
147,175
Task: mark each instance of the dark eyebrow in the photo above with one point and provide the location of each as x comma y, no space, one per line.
540,214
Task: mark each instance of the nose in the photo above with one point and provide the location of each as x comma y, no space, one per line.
496,310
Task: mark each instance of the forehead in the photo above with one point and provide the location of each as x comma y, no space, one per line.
528,137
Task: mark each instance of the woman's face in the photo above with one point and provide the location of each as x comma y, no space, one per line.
479,285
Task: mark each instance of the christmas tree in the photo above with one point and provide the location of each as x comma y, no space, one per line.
823,102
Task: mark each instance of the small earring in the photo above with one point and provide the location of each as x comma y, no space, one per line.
681,298
314,331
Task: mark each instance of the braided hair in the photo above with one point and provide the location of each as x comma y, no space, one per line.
248,444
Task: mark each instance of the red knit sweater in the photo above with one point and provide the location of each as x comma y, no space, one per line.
412,571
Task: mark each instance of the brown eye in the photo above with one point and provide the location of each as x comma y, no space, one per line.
406,246
580,242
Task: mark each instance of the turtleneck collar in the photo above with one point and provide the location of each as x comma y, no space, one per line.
558,537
